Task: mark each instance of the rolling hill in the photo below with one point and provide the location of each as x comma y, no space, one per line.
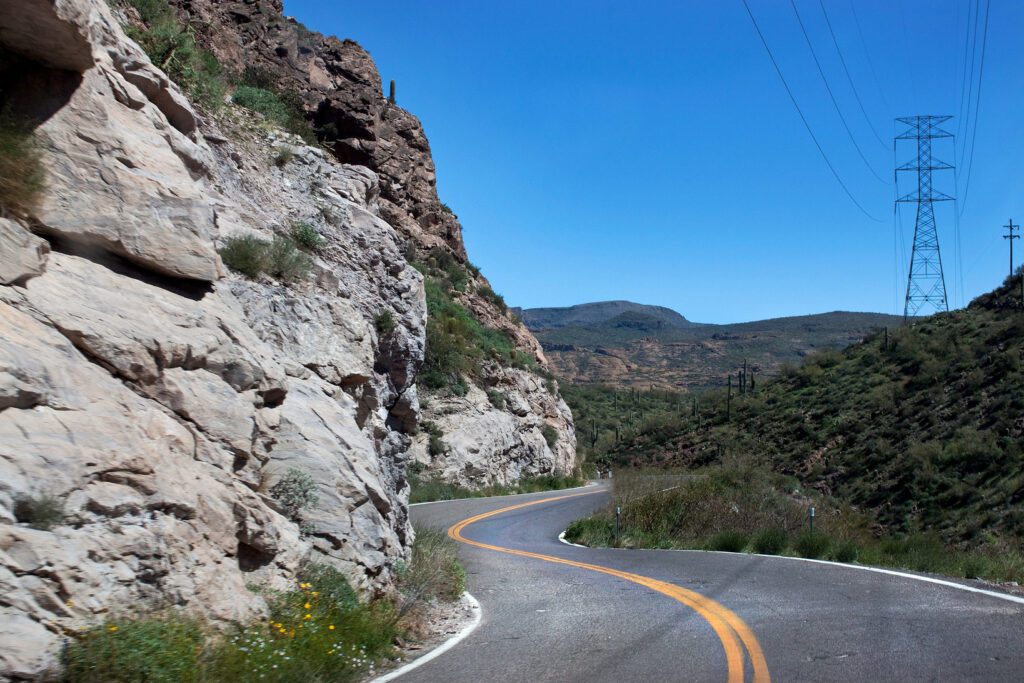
921,427
624,344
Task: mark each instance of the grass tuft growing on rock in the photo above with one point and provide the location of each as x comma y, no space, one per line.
41,512
22,176
384,323
253,257
306,236
295,492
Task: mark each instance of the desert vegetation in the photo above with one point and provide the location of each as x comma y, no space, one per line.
320,630
280,258
913,434
22,176
171,45
737,506
458,344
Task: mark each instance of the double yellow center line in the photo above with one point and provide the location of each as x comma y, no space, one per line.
730,629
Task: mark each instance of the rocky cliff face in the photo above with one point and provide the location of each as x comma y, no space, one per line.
155,399
342,92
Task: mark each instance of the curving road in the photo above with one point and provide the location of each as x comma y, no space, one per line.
553,612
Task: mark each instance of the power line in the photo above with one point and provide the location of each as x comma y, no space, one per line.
803,118
867,54
831,96
963,72
977,105
848,76
970,91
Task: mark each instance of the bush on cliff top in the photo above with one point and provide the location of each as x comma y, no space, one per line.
171,45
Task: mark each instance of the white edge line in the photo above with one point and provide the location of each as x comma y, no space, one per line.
440,649
865,568
561,537
511,495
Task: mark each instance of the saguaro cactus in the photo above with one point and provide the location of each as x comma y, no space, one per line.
391,96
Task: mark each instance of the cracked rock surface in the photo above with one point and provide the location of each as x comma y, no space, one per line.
156,395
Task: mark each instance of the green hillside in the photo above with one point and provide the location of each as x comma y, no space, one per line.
921,428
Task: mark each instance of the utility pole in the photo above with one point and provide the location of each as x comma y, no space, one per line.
926,284
1010,227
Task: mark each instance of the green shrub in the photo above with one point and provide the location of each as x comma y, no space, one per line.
153,649
728,541
812,545
846,551
252,256
770,542
40,512
262,101
496,398
295,492
22,176
306,236
282,109
436,445
550,435
285,261
246,254
171,45
384,322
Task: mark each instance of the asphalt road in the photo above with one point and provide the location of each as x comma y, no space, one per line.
547,620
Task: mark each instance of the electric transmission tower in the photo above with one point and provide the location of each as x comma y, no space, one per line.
926,285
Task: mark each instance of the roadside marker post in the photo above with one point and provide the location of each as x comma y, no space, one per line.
810,518
618,513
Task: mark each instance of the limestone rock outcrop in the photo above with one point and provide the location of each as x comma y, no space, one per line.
150,398
342,92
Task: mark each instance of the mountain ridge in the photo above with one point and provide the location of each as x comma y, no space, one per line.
625,344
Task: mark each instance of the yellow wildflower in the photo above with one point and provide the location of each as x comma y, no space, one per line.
308,606
113,628
331,627
315,594
308,616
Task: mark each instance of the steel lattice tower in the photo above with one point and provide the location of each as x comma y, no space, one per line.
926,284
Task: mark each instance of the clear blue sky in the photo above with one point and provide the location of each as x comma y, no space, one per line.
598,149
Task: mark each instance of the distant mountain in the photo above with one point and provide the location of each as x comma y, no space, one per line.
622,343
603,312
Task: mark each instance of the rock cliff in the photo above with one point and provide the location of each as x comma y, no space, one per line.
151,399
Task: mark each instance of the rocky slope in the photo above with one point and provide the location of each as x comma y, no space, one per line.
342,92
150,399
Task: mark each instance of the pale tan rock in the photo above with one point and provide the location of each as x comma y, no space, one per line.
160,397
22,254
